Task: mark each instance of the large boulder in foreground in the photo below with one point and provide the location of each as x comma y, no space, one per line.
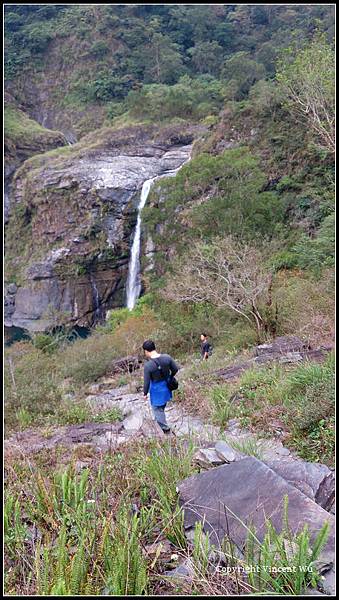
313,479
234,496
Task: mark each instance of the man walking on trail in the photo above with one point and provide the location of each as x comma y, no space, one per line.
157,370
206,348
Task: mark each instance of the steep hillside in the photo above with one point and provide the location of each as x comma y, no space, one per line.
24,137
257,171
75,67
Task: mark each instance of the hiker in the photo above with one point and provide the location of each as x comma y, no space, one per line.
158,369
205,347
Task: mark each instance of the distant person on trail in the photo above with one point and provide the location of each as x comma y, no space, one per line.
157,370
205,347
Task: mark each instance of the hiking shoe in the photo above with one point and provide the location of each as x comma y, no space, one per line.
169,432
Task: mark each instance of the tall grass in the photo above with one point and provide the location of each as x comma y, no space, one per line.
283,563
161,470
94,527
223,404
301,398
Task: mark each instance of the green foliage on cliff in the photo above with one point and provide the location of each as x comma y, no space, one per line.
189,98
211,194
117,53
25,137
18,127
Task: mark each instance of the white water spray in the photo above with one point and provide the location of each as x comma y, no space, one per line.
133,279
96,298
133,287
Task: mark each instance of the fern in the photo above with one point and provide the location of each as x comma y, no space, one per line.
62,555
201,549
284,562
127,574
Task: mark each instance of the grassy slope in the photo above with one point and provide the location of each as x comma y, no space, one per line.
20,129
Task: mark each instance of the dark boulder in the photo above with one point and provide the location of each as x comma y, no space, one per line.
128,364
230,498
282,345
313,479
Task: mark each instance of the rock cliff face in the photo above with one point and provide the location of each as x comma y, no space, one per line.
24,138
72,219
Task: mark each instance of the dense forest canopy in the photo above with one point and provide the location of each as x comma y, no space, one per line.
143,45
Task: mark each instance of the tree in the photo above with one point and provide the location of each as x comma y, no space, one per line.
225,273
307,79
267,56
206,57
162,60
99,48
242,72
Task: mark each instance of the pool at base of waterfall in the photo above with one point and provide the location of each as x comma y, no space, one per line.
18,334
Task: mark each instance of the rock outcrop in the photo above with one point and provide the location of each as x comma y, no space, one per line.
231,498
287,349
74,210
24,138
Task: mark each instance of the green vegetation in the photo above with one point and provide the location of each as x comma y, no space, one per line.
244,238
76,412
160,61
307,80
90,542
229,187
300,399
190,98
90,538
84,546
295,557
18,128
34,378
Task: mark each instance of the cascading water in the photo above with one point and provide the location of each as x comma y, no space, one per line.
133,287
133,279
96,299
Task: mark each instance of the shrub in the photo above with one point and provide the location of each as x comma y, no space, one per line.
305,305
74,413
317,253
31,383
189,98
117,317
87,360
45,342
99,49
130,335
308,393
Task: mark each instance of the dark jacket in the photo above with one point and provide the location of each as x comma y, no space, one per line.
152,373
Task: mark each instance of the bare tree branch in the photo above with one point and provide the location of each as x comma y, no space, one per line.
225,273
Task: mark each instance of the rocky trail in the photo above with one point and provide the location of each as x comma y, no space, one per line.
252,489
243,479
137,423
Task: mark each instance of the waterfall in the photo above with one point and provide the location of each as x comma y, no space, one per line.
133,286
133,278
96,299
